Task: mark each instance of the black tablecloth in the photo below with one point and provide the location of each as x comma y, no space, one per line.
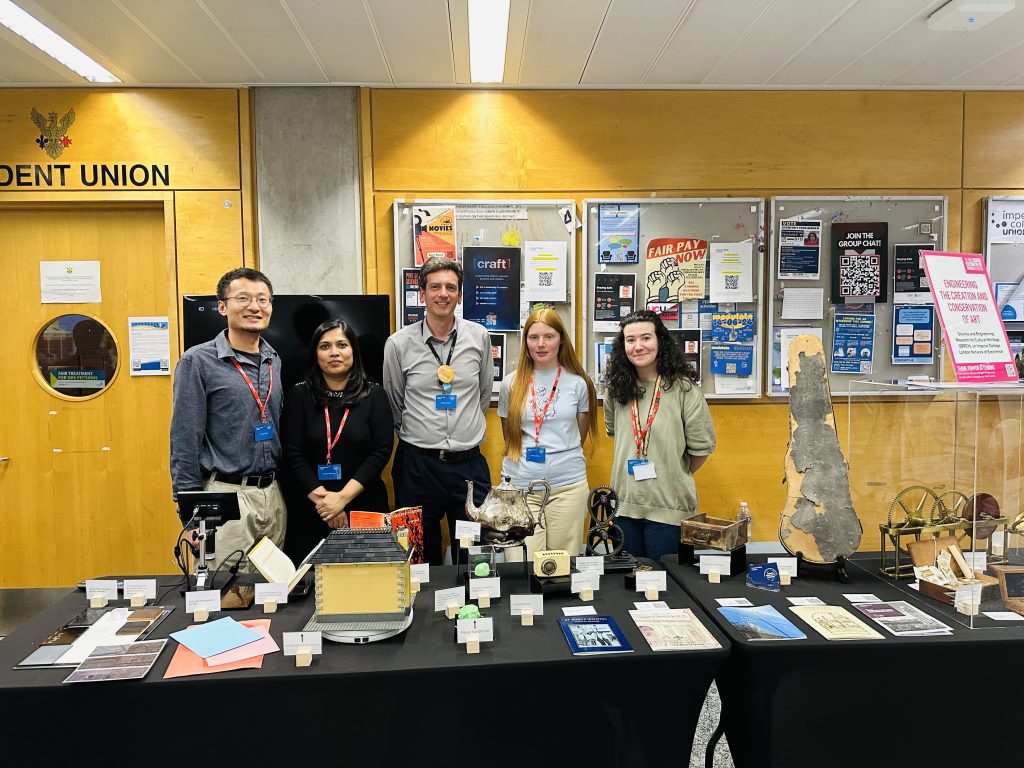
912,702
415,698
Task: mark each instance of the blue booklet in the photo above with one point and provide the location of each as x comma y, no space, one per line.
593,634
761,622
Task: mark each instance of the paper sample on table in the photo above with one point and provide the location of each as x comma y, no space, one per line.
184,663
834,622
215,637
676,629
103,632
261,647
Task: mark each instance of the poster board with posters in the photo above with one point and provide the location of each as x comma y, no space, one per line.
1003,236
876,241
697,262
524,256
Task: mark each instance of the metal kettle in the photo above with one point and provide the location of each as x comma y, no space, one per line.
505,516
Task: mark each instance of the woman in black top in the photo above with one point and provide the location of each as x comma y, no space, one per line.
342,471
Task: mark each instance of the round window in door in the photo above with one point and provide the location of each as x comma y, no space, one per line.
76,356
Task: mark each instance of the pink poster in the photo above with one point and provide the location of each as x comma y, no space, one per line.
971,327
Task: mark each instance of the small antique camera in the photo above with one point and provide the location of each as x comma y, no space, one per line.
548,563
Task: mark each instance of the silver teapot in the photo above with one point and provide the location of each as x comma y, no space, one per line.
505,517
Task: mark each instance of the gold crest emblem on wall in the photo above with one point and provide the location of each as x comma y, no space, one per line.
53,131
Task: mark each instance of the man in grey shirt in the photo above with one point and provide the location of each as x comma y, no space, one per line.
227,409
438,374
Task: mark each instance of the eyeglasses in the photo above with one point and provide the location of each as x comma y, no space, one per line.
245,300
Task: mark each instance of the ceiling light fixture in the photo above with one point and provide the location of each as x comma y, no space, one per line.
967,15
488,34
52,44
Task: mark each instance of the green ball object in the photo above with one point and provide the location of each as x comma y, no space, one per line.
482,570
469,611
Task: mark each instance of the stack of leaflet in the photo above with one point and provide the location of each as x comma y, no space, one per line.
221,646
903,619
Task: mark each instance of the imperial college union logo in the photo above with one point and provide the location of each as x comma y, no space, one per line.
53,132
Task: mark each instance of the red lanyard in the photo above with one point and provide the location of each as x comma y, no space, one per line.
643,437
337,437
538,418
261,403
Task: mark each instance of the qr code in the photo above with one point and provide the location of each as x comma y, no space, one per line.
730,368
859,274
545,279
732,282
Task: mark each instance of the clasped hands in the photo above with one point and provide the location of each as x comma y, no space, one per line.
330,506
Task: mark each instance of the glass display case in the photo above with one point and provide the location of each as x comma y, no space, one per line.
938,477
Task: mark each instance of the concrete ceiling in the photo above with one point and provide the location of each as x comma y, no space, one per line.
551,44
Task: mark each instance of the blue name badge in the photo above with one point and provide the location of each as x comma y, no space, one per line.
631,463
263,432
328,471
763,576
536,454
445,402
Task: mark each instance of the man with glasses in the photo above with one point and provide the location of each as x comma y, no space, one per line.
227,409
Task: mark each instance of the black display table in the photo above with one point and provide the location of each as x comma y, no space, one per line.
910,702
413,699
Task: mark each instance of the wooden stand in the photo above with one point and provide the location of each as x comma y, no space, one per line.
270,606
303,657
98,601
472,645
526,618
201,615
138,601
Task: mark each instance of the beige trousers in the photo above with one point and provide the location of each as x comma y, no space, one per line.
262,513
565,515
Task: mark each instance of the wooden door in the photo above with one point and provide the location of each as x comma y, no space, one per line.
84,489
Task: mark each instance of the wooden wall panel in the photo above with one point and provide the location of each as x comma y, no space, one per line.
209,236
993,135
641,140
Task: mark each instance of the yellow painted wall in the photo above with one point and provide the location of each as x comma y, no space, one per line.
582,144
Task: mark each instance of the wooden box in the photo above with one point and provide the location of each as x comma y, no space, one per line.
924,553
702,531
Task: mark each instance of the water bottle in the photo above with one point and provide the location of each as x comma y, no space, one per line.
743,516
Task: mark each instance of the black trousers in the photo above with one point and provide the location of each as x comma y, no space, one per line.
439,487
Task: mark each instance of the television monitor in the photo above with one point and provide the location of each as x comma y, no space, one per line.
293,322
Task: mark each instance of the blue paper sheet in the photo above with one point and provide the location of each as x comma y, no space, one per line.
219,636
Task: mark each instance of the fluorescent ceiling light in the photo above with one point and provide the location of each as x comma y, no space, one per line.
52,44
488,33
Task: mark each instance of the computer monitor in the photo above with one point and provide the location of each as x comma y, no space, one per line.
215,507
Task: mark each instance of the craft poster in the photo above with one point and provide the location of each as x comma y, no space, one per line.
546,270
913,334
689,345
1006,221
732,326
491,286
614,298
676,270
498,358
732,359
799,249
732,271
618,233
853,343
433,232
859,262
910,283
971,328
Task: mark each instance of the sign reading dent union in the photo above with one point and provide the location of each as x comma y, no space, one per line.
53,140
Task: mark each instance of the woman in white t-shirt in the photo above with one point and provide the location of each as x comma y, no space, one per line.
548,407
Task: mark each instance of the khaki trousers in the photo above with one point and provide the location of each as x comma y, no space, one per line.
262,513
564,515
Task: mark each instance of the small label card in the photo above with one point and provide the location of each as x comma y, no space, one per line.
207,600
101,588
481,630
579,610
144,588
490,587
977,560
734,602
862,598
1003,615
464,529
420,572
586,580
454,596
520,604
998,543
806,600
588,564
654,580
295,641
719,563
645,471
277,593
653,605
786,565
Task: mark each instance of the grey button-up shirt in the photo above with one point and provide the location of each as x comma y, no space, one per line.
410,379
215,413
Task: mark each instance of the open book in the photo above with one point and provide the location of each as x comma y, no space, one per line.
275,566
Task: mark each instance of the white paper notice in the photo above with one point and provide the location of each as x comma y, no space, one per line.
294,642
734,602
720,563
732,271
149,346
803,303
145,588
467,530
520,604
101,588
652,605
689,315
580,610
546,270
69,282
806,600
595,563
651,580
862,598
786,337
586,580
490,587
420,572
277,593
733,385
445,597
474,629
206,599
